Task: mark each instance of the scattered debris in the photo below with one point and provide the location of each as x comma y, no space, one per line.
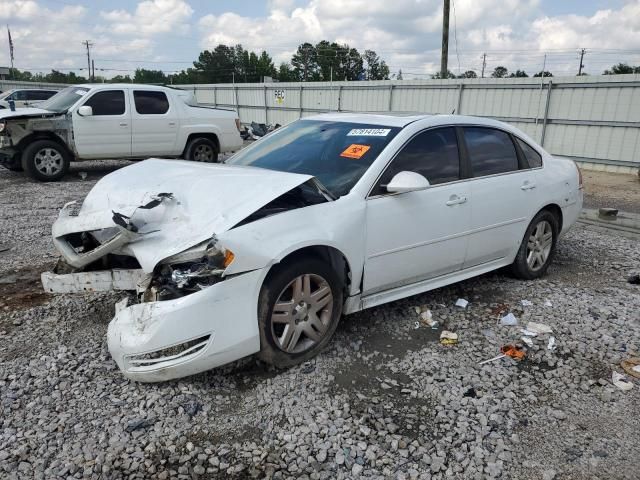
514,351
308,367
82,175
526,303
619,381
509,320
552,344
634,279
539,327
416,325
529,333
528,342
547,303
448,338
462,303
139,423
500,309
631,366
492,359
426,318
608,212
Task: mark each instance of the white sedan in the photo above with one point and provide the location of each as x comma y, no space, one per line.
327,216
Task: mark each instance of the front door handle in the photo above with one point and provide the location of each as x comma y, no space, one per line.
456,200
172,124
123,124
528,185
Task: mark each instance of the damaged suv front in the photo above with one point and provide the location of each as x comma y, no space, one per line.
191,313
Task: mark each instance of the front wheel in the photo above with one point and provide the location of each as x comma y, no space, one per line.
538,247
45,160
202,150
299,310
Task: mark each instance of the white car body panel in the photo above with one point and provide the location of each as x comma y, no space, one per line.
392,245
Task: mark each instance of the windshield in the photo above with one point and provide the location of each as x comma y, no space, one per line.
336,153
62,100
6,94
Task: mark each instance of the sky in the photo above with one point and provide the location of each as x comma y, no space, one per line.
168,35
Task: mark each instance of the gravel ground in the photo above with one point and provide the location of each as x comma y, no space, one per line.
385,400
616,190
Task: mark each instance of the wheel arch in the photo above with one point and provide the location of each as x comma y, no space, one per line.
208,135
36,136
556,211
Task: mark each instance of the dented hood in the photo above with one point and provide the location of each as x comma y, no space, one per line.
207,199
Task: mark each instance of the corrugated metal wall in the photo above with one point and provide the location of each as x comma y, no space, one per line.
593,118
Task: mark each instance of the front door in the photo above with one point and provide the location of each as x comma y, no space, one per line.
418,235
107,132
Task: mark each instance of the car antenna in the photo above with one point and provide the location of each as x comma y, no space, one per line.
453,112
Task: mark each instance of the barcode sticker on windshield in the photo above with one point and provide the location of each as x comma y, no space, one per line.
369,132
80,92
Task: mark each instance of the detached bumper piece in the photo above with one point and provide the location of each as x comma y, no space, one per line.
100,281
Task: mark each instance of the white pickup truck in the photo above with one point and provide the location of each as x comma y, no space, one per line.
115,121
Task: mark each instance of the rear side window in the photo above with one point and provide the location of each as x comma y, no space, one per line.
40,94
150,102
433,154
107,102
490,151
533,158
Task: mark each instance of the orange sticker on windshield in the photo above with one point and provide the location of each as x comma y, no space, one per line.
355,151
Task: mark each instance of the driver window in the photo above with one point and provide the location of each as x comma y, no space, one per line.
107,102
432,153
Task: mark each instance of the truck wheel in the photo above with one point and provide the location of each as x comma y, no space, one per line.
45,160
202,150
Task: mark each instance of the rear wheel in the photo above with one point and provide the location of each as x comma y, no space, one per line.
299,310
202,150
538,247
45,160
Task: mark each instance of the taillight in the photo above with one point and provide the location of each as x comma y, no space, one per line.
579,175
238,125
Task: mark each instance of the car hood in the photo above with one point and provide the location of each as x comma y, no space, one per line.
24,112
174,204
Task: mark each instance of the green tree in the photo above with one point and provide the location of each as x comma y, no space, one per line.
622,68
286,73
376,68
265,66
543,74
500,72
399,75
469,74
216,66
438,75
305,63
143,75
518,74
121,79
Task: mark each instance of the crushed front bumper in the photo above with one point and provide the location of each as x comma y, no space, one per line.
157,341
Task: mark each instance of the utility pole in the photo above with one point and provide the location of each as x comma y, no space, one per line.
93,71
88,45
484,63
445,40
582,52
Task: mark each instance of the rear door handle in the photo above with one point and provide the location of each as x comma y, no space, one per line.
527,186
456,200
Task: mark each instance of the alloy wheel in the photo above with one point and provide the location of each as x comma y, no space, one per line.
301,315
539,245
48,161
203,153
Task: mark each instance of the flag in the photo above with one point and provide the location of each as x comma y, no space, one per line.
10,44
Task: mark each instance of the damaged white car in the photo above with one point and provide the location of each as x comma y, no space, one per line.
324,217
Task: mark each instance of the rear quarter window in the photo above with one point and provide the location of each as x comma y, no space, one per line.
534,159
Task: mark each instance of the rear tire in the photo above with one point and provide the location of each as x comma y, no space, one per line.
45,160
202,150
299,308
538,247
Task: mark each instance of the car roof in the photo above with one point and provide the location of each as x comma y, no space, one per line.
399,119
120,85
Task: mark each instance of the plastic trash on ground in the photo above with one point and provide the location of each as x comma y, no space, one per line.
448,338
631,366
539,327
509,320
529,333
462,303
514,351
547,303
552,343
527,341
500,309
526,303
620,381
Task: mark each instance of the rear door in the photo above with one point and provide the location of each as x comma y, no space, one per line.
155,123
106,133
504,195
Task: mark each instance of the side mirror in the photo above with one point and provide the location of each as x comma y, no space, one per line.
85,111
407,182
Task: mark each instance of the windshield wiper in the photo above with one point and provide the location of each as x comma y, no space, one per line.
323,190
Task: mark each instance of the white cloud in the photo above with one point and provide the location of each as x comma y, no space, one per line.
151,17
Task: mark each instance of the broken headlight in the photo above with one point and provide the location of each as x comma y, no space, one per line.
190,271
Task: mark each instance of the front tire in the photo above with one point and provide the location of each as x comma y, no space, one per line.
538,247
299,308
202,150
45,160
